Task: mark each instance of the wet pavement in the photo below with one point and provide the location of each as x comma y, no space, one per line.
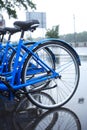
72,116
37,119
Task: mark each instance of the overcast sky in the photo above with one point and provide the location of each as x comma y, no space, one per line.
62,13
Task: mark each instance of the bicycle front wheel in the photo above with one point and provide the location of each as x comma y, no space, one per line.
61,89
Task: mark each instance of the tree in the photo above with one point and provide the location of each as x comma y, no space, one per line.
10,6
53,33
80,37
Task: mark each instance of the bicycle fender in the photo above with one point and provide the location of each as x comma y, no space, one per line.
57,40
73,51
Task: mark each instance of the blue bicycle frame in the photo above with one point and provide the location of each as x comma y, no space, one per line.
4,55
13,81
35,57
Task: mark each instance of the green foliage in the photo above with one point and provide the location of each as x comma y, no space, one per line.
10,6
53,33
78,37
82,37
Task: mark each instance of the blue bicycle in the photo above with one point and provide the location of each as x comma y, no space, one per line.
6,49
48,66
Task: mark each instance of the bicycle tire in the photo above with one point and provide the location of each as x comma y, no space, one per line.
62,118
25,104
69,76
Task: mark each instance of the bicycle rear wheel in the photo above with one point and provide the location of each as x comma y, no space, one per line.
60,119
66,65
42,97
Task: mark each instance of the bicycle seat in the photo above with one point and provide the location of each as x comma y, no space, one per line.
2,31
11,30
27,25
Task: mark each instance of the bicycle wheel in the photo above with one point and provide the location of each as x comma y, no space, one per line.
62,88
56,119
60,119
43,97
24,106
12,60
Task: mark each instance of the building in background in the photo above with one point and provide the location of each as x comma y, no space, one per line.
41,17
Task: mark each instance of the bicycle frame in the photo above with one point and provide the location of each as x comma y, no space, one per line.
43,65
5,48
17,71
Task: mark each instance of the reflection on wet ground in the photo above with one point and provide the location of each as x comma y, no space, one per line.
71,116
13,117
